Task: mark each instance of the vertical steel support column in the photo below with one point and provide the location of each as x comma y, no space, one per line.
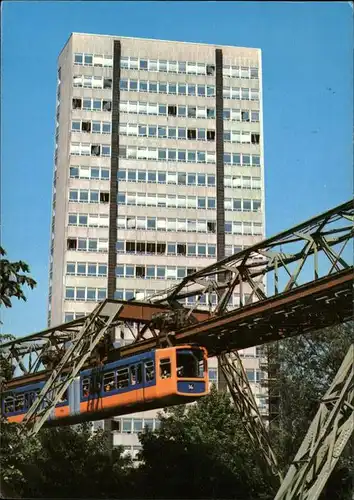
113,206
220,188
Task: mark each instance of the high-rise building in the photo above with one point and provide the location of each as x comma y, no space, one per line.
158,172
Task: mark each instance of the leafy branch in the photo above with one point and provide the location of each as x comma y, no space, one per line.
12,279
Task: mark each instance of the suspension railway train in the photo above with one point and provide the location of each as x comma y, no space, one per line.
154,379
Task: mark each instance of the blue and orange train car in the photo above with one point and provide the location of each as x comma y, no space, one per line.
154,379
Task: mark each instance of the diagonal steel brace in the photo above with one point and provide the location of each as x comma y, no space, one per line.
244,400
81,348
325,440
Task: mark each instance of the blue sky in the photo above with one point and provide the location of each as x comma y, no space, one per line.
308,103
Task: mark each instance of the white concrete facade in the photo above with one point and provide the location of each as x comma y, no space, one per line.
159,243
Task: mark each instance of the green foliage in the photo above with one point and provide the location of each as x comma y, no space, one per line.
66,462
200,451
12,281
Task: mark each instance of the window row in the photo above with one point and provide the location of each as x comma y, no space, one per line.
135,425
88,104
255,376
163,200
88,149
153,272
160,131
187,225
241,94
83,59
85,293
154,108
92,82
88,220
179,201
94,173
240,115
155,248
184,67
153,177
172,88
181,110
88,196
86,269
96,127
186,156
187,179
87,244
163,154
240,72
182,133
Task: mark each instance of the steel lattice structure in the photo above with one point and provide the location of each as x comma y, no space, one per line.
312,288
309,287
325,440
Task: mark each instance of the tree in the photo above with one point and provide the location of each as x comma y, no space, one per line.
308,364
64,462
200,451
12,281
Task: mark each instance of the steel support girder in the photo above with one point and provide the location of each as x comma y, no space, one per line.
319,234
244,401
81,348
325,440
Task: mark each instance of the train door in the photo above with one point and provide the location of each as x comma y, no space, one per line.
166,373
136,382
74,394
149,380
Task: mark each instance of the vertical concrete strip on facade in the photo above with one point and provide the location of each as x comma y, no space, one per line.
220,189
113,207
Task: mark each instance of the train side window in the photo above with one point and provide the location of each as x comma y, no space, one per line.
109,382
9,404
85,387
165,368
20,402
64,397
149,371
135,374
123,377
32,396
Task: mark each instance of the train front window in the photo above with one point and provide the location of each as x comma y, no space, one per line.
190,363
